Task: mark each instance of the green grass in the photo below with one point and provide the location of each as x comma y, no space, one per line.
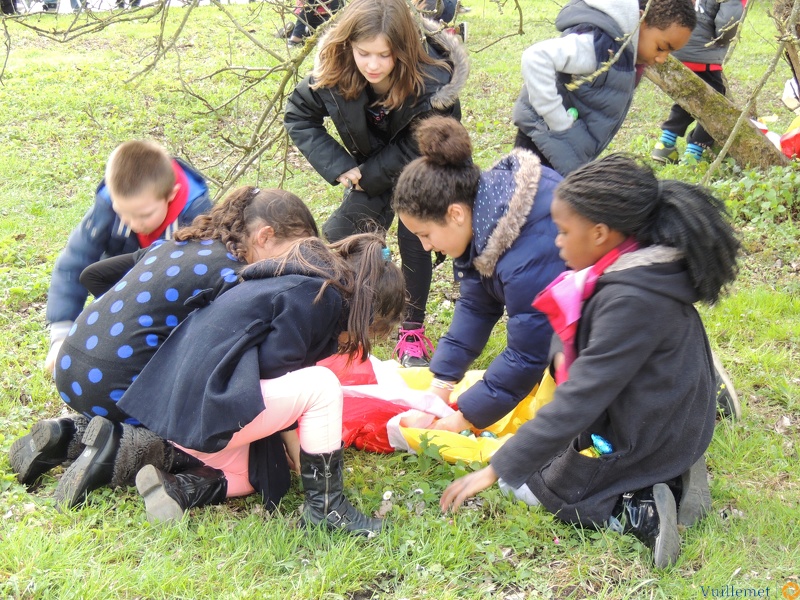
67,105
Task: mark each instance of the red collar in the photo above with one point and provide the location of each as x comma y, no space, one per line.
173,211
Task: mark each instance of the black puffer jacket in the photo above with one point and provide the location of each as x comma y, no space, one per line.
380,162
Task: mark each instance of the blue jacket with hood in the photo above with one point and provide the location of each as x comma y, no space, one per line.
101,234
511,258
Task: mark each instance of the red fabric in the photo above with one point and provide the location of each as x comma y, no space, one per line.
364,423
174,209
355,373
563,299
790,143
700,67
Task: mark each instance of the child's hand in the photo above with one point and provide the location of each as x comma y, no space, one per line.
350,179
52,355
466,487
455,422
443,393
291,443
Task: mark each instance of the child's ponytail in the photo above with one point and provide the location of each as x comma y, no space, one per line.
378,296
695,222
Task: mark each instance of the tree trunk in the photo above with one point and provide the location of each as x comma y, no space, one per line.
716,113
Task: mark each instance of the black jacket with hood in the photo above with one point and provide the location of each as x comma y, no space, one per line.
643,379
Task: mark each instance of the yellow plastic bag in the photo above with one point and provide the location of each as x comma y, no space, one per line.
454,446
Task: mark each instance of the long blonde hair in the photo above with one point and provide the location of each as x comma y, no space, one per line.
365,20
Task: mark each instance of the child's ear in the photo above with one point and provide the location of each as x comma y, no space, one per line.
601,233
173,194
458,213
264,234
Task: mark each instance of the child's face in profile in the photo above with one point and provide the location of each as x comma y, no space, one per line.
451,238
143,213
656,44
577,237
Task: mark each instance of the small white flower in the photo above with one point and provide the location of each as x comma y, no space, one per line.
387,495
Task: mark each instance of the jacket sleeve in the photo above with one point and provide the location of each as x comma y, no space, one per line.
573,54
726,22
519,367
381,169
304,121
86,244
623,336
475,315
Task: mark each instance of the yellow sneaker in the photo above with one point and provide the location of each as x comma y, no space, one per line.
665,154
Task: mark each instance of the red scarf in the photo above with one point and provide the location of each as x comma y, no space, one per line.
562,301
173,210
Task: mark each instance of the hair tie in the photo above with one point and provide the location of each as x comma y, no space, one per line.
386,254
255,192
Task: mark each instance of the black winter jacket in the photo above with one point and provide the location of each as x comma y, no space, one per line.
643,379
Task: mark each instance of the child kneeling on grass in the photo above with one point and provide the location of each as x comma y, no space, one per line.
242,370
638,364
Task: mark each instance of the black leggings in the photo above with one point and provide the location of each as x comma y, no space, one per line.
358,213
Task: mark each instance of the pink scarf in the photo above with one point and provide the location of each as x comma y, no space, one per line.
562,301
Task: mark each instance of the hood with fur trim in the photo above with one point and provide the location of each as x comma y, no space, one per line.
506,195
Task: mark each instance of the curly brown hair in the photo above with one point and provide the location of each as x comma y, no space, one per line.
246,208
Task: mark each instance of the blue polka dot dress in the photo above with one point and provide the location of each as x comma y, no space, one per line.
117,334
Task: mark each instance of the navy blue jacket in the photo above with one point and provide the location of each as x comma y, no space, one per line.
101,234
512,258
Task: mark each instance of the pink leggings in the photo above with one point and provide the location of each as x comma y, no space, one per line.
312,396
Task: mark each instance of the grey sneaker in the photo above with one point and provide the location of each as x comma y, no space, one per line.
665,154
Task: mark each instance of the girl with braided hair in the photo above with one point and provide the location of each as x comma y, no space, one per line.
140,298
636,367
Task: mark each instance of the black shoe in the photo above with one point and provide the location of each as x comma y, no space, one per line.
695,499
167,497
325,502
727,399
650,515
94,468
413,348
50,443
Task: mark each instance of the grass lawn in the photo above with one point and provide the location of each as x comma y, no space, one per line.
66,105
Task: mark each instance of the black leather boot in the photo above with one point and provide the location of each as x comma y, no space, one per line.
325,502
94,468
49,443
650,515
167,496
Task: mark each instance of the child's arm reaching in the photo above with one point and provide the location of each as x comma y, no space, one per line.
541,63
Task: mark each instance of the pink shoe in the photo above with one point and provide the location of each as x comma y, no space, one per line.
413,349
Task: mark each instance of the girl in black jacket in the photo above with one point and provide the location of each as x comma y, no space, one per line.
637,369
242,370
375,79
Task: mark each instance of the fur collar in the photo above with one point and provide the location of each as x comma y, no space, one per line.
649,255
527,174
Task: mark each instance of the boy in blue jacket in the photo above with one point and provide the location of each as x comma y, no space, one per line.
146,195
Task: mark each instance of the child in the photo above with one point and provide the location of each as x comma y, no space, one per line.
639,366
375,79
497,228
242,370
593,31
115,336
145,196
310,15
717,22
